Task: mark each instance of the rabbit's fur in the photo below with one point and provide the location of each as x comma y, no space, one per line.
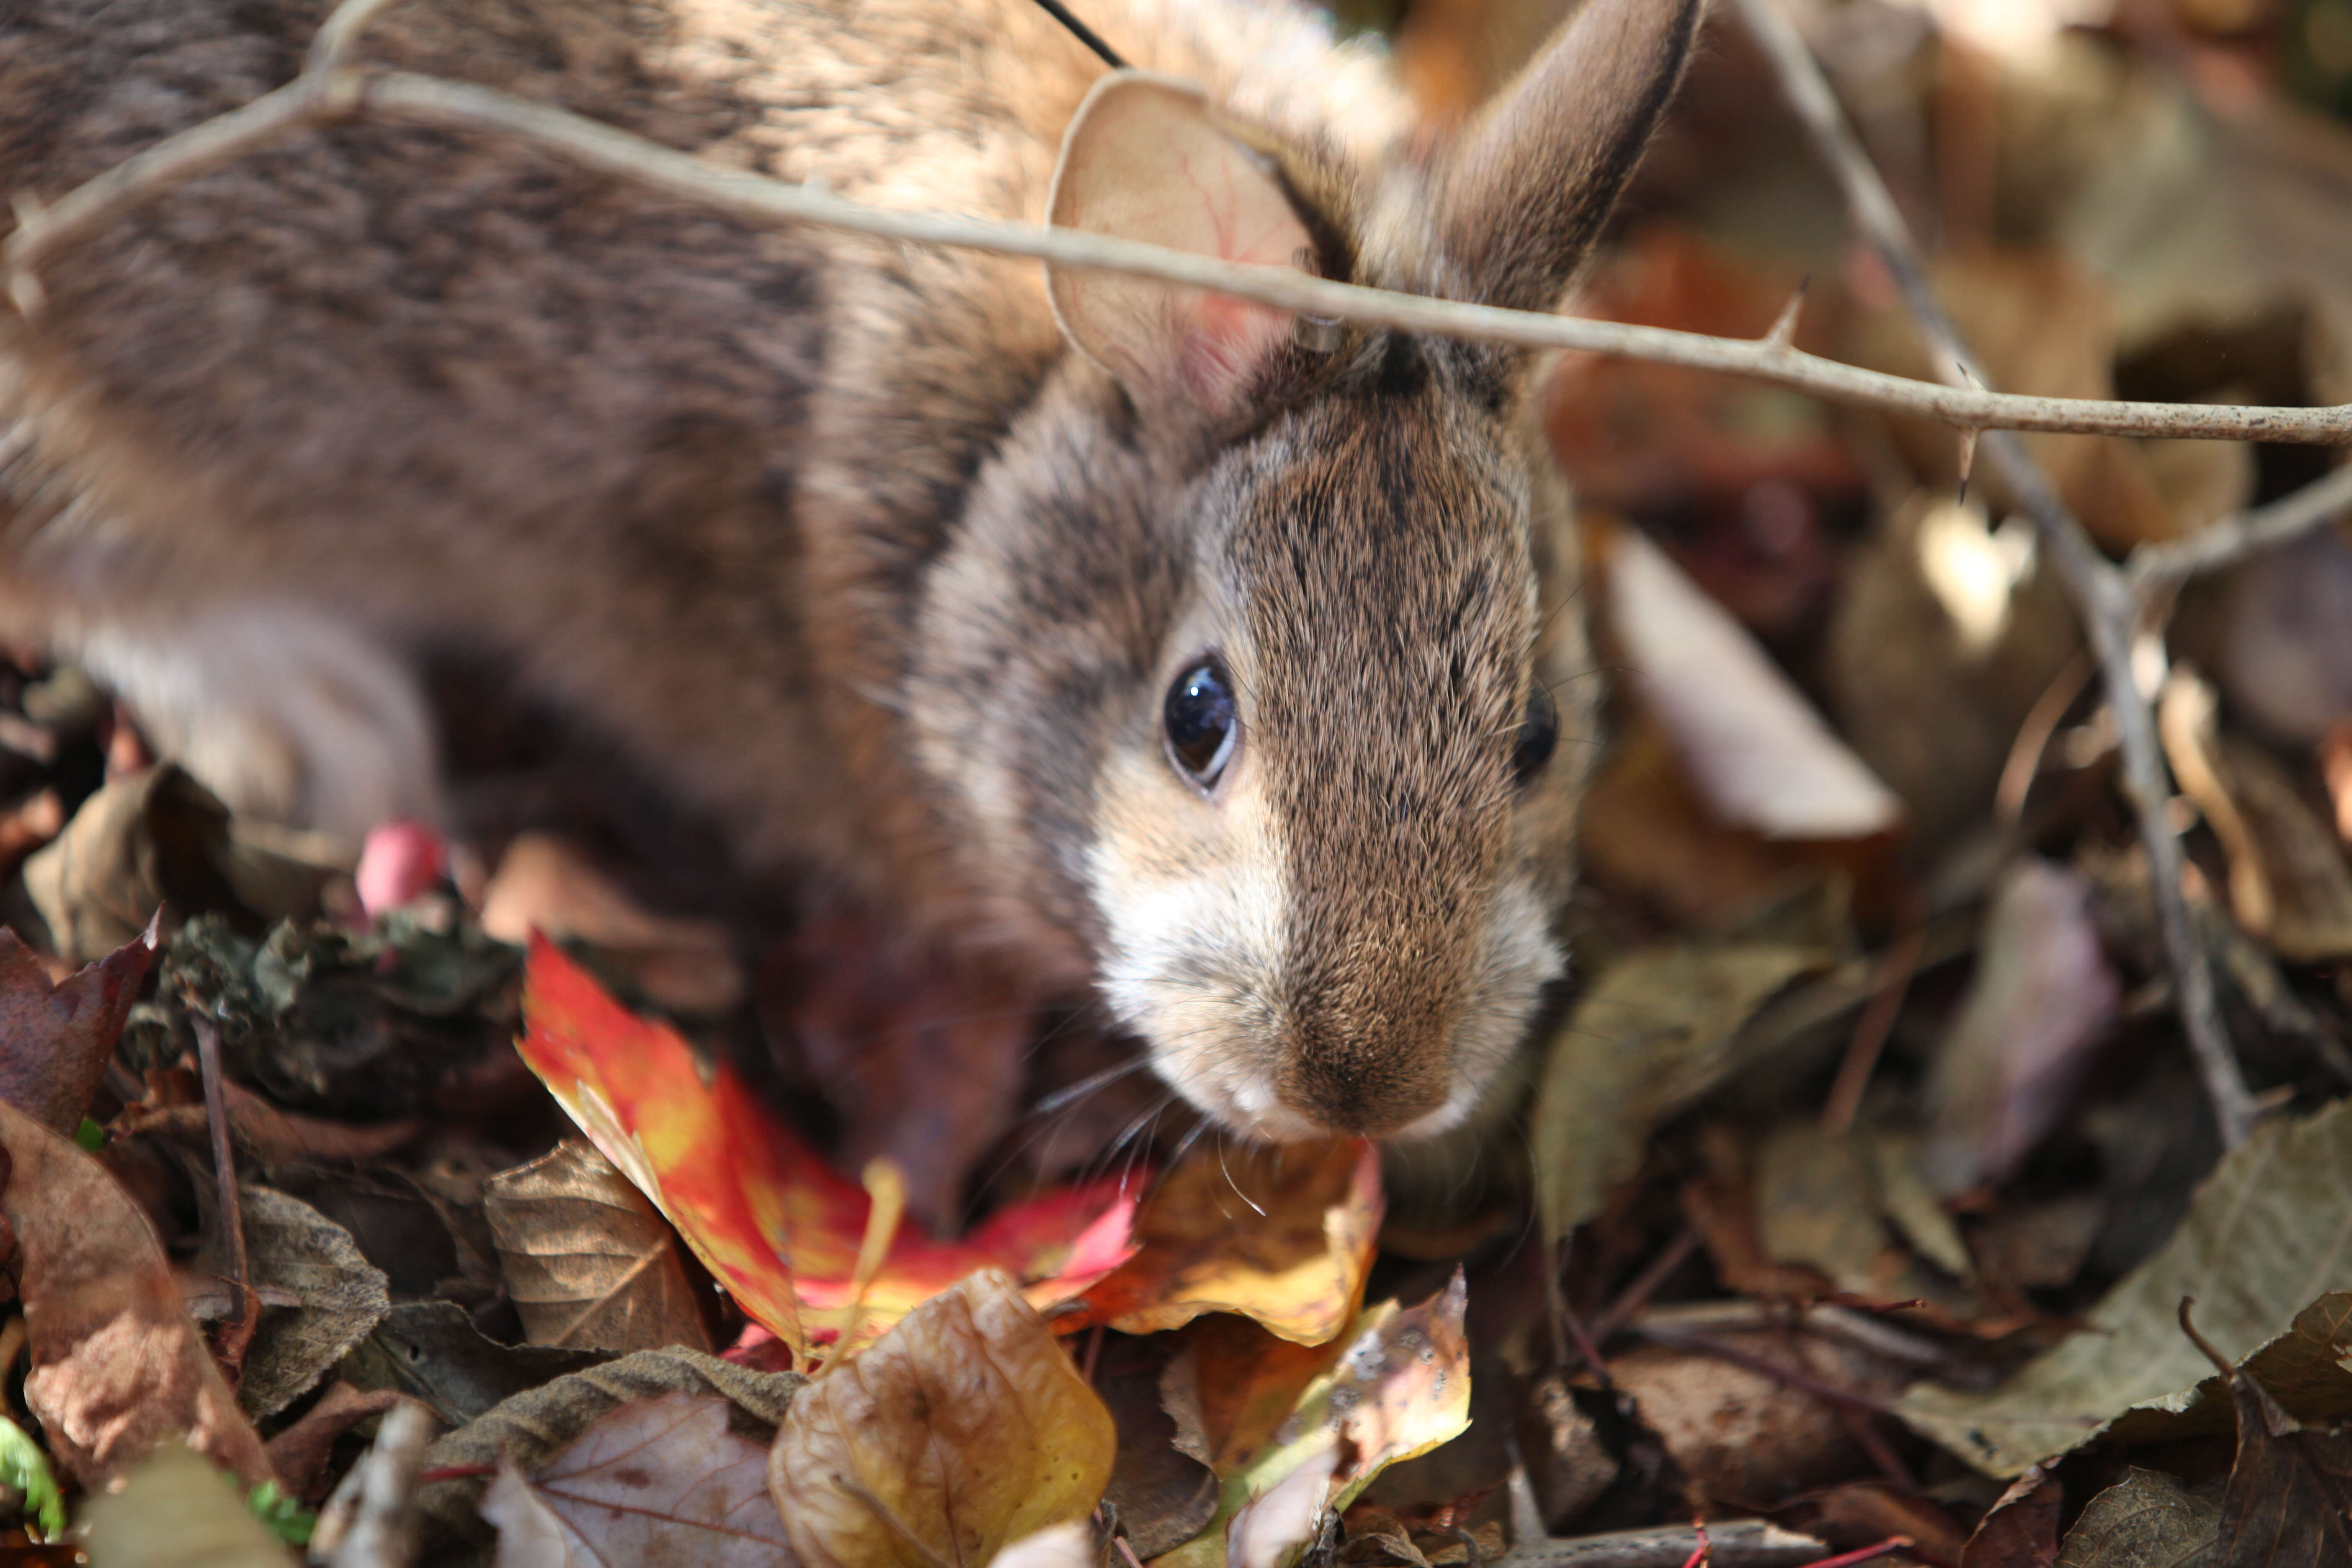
855,545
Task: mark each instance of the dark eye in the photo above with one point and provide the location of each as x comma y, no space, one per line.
1200,720
1538,734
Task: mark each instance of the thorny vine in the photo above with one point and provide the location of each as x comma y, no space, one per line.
2121,605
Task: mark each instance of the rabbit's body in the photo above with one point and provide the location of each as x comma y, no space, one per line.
850,543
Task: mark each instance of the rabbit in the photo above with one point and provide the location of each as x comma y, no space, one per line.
1109,640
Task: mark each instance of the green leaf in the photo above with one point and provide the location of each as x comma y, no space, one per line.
90,1136
24,1467
283,1512
2270,1229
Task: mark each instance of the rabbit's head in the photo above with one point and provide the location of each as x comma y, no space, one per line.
1294,706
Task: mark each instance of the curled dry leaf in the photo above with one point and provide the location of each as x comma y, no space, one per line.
1762,755
1656,1029
55,1039
2272,1224
2040,1001
2289,1498
1400,1388
657,1483
337,1297
779,1228
1281,1234
2021,1528
175,1509
298,1453
118,1366
962,1430
1232,1384
589,1261
432,1352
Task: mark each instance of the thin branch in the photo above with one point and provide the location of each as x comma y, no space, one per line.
317,95
2102,594
2233,539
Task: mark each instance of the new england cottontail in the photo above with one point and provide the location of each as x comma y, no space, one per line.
1107,634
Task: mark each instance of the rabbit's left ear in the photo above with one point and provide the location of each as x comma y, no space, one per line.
1145,161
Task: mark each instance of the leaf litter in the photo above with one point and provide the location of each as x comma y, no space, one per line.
1861,1172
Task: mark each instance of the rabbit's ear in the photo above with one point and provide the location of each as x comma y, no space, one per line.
1534,174
1145,161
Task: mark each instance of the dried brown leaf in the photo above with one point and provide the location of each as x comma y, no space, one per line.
297,1256
55,1039
964,1428
299,1452
174,1509
589,1262
2148,1519
2020,1530
118,1365
657,1483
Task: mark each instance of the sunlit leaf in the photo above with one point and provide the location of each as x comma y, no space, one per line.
769,1218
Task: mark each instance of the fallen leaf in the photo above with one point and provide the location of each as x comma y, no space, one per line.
2021,1528
1762,755
2271,1225
118,1366
432,1352
657,1483
339,1298
1568,1461
174,1511
527,1426
1056,1546
55,1039
1283,1235
1400,1388
2289,1498
2040,1001
2148,1519
24,1471
588,1260
1233,1383
776,1226
1654,1030
1159,1495
546,885
1821,1202
964,1428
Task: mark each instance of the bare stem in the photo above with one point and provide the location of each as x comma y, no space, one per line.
2232,539
327,91
2102,594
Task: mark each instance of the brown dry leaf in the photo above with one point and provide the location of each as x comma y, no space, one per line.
118,1365
544,883
1160,1492
2040,1001
1823,1200
1761,755
872,1019
964,1427
1284,1234
332,1297
658,1483
1742,1435
2288,881
589,1262
2289,1499
2020,1530
1233,1384
55,1039
2148,1520
1862,1513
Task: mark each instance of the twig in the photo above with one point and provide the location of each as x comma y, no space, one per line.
246,1314
1731,1542
1896,972
2102,594
330,93
1636,1295
2233,539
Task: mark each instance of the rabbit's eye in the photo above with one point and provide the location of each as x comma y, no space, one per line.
1538,734
1200,722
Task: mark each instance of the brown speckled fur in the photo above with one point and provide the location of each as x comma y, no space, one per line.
839,537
